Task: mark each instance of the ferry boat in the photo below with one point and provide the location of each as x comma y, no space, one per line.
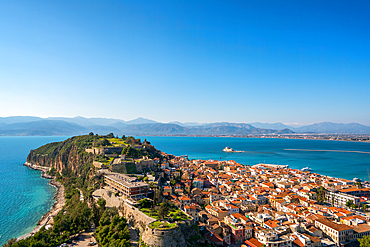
231,150
228,149
306,169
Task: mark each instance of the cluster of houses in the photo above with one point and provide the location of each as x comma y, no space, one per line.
267,205
260,205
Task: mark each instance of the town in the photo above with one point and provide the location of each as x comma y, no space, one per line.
231,204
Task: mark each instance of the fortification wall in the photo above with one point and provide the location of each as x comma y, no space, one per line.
163,237
93,150
174,237
111,150
135,217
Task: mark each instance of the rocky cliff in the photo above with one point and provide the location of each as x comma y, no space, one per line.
66,156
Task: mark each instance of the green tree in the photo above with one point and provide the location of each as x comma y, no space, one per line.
349,203
358,184
112,230
144,203
321,194
163,209
131,152
101,202
365,241
101,142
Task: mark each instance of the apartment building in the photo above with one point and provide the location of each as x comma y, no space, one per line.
128,186
339,233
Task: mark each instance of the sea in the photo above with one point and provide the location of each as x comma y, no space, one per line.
342,159
25,196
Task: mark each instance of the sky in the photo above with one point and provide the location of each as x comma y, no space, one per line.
190,61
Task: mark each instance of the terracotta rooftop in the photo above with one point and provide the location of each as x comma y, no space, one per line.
335,226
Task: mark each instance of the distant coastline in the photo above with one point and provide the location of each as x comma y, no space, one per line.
324,137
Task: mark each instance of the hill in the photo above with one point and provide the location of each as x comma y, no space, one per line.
277,126
334,128
208,129
42,128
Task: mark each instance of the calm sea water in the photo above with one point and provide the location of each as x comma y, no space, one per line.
272,151
24,195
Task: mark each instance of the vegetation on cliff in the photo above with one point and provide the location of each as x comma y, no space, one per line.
112,230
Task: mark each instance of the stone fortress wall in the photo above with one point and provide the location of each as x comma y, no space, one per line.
135,217
174,237
163,237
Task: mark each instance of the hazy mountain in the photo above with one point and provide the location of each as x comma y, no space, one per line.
154,129
87,121
118,125
18,119
276,126
42,128
76,120
219,124
209,129
102,130
23,125
140,120
335,128
186,124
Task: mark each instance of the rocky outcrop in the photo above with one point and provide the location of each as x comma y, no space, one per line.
63,156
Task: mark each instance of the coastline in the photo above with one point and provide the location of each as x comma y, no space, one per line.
47,218
279,136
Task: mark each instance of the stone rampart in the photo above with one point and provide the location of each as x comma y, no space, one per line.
174,237
163,237
112,150
93,150
135,217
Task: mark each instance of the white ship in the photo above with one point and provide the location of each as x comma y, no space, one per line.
228,149
306,169
231,150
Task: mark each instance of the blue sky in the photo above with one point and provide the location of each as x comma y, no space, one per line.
204,61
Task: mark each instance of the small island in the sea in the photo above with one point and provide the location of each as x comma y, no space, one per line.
231,150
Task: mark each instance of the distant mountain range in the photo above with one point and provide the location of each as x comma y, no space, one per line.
35,126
